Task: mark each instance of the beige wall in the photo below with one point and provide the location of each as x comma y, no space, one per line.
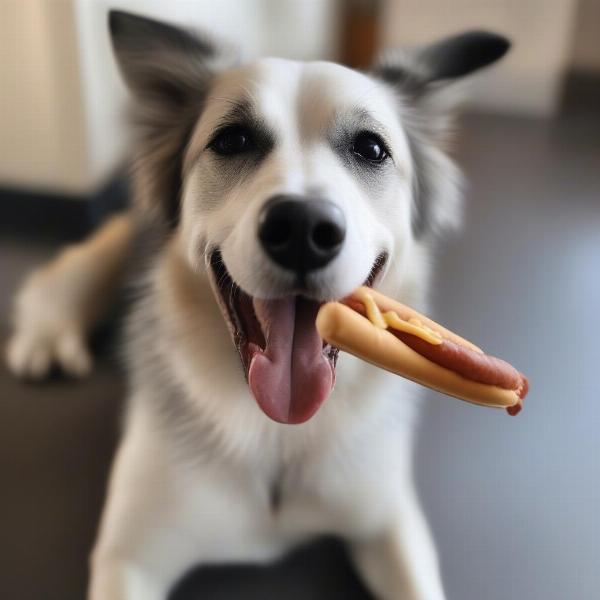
529,79
42,131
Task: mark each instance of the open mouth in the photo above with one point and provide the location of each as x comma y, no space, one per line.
290,370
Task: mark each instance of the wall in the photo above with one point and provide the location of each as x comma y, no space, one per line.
42,127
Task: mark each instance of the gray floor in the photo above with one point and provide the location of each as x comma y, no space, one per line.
513,502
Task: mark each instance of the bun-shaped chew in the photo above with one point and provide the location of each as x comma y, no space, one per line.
397,338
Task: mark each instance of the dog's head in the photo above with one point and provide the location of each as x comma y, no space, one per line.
292,183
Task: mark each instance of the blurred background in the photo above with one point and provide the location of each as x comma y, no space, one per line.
513,502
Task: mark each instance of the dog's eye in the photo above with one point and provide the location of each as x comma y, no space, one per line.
370,147
232,140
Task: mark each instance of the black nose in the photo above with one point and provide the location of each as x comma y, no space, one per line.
301,234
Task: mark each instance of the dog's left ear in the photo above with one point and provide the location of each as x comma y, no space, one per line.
426,82
168,71
419,71
428,78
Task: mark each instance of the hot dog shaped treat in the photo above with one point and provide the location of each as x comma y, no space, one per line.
397,338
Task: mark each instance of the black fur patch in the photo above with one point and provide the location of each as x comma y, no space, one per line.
166,69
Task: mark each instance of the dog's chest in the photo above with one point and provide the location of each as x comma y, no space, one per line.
298,504
335,488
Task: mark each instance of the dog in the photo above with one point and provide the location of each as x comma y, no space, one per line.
274,186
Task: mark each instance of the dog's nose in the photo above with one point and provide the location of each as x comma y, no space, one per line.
301,234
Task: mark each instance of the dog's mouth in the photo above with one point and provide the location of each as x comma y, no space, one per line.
290,370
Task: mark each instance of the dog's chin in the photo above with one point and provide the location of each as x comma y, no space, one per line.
290,370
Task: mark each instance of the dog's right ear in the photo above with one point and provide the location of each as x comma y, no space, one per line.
160,63
168,71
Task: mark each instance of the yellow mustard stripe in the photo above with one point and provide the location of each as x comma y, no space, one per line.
373,313
391,319
418,329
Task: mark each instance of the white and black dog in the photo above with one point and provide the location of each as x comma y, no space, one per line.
280,185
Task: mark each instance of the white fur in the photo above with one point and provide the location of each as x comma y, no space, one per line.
284,93
347,471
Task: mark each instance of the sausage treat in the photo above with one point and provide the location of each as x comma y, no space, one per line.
397,338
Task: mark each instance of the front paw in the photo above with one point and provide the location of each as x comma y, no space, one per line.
47,332
31,353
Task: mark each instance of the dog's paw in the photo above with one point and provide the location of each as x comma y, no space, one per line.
31,354
48,332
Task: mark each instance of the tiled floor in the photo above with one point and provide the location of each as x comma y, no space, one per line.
513,502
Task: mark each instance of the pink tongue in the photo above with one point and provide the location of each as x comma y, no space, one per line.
292,377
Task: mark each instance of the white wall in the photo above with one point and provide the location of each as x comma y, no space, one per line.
300,29
528,80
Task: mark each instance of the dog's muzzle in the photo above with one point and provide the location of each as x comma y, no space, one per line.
301,234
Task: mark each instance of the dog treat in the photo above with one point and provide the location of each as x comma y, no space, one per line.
397,338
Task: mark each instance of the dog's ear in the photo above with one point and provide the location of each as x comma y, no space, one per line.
168,71
427,82
421,70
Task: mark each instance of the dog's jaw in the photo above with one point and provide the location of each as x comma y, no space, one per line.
290,370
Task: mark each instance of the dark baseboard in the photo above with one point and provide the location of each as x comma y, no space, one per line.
61,217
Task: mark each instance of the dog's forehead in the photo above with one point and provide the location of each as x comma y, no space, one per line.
309,95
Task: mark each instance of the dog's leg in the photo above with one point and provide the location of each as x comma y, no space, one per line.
60,303
144,543
166,514
400,563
